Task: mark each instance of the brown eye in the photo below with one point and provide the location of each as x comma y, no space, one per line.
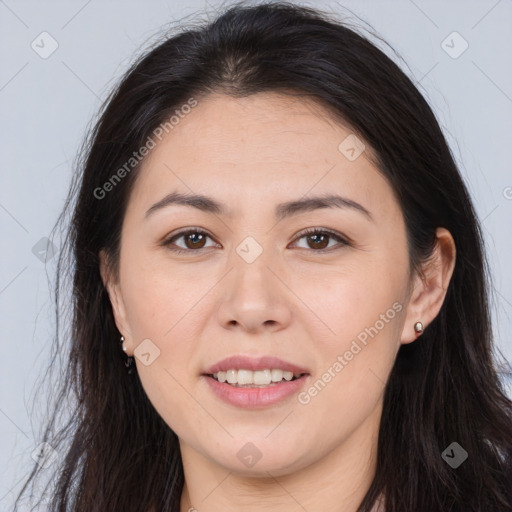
193,240
319,239
196,240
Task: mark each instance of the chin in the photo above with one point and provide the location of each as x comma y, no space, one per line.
258,459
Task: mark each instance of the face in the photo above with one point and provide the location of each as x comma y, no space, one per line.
250,281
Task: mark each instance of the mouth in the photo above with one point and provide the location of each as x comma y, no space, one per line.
255,379
265,388
255,383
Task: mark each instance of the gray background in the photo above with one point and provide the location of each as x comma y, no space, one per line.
47,103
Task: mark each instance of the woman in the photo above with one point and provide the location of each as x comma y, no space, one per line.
270,227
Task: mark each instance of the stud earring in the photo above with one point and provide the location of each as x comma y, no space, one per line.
418,327
129,361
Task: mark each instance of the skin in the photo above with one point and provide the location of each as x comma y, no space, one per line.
292,302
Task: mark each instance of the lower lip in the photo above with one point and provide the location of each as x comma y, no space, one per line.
252,398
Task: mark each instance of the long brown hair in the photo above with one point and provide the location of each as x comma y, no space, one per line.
117,454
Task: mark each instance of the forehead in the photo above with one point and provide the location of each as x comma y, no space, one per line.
266,125
259,146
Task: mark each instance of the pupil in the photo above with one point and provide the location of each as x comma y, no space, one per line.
190,238
316,241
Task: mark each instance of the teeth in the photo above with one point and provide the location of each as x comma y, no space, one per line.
232,376
277,375
245,377
258,378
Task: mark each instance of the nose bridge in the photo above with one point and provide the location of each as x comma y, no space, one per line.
254,296
252,259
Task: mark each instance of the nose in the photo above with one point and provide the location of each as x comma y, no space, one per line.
254,298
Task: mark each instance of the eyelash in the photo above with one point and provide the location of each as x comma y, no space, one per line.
312,231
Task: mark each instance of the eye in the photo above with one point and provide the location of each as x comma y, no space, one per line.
194,239
319,238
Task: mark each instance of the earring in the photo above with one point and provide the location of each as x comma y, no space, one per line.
418,327
129,361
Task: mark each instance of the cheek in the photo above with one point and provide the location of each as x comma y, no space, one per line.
341,304
356,326
156,295
160,307
352,373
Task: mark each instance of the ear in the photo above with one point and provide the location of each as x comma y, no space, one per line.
116,299
429,289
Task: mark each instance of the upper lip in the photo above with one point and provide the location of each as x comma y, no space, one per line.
259,363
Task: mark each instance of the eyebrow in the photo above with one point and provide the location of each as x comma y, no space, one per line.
209,205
